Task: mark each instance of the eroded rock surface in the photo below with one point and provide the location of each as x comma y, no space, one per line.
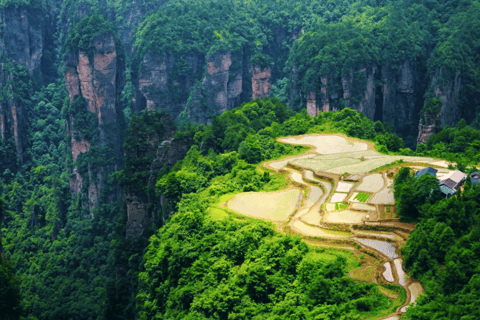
99,78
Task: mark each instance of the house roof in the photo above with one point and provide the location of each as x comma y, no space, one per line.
428,170
453,179
475,177
447,190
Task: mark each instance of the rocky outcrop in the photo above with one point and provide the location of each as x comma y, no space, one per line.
448,92
22,38
356,90
218,89
11,113
367,104
98,77
261,81
158,89
141,208
223,81
400,90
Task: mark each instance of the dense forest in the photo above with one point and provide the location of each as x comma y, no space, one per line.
122,124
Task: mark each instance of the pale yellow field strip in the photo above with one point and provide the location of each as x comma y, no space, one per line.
310,231
363,206
312,216
345,216
275,206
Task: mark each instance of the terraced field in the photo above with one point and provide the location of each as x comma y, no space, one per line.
304,211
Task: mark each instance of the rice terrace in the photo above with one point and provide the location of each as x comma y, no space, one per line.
341,196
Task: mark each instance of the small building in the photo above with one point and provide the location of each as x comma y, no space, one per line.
475,178
454,179
447,191
428,170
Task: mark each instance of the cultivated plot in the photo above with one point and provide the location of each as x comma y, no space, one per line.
345,216
387,274
338,197
344,187
310,231
371,183
363,206
327,144
275,206
359,197
385,196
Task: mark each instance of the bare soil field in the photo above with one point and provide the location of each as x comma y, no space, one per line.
275,206
345,216
327,144
344,186
385,196
338,197
280,164
363,206
312,216
330,207
371,183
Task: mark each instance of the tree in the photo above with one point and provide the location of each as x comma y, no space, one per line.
9,289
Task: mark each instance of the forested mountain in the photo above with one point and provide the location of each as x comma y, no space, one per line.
120,117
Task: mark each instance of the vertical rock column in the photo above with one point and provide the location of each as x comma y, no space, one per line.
98,77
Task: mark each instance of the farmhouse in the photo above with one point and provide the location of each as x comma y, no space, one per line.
427,170
454,179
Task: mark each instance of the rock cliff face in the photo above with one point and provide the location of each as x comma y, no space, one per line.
157,88
22,41
400,89
448,92
98,77
11,113
22,37
449,112
354,90
219,88
141,209
223,81
261,82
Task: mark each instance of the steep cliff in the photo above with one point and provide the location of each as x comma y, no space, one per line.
22,38
201,94
159,85
145,210
355,90
11,112
94,79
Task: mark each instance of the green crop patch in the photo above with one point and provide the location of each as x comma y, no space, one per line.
362,197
